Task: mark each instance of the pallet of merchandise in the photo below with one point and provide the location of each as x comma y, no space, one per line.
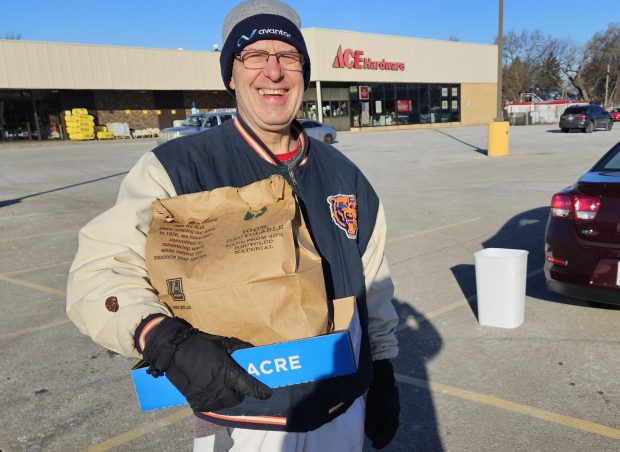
81,136
119,129
105,135
80,125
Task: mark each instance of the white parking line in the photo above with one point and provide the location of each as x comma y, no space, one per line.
31,285
140,431
34,236
47,326
428,231
507,405
34,269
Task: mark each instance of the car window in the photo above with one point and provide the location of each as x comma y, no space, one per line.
574,110
309,124
211,121
610,162
225,117
192,121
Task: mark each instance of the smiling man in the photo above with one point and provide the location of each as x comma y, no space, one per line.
266,67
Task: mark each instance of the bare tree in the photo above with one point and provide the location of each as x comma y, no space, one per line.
530,65
12,35
601,66
569,56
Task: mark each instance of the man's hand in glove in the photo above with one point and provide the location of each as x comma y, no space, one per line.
382,405
198,364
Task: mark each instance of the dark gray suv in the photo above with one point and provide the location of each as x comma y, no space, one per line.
586,118
194,124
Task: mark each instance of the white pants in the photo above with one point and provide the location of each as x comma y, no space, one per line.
343,434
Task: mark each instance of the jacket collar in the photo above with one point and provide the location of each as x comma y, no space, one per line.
262,150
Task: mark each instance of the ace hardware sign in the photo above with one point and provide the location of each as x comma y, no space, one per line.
355,59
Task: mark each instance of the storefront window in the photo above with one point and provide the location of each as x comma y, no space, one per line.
455,102
29,115
355,113
327,109
377,91
390,112
378,118
342,108
424,111
413,104
309,110
435,104
364,114
335,108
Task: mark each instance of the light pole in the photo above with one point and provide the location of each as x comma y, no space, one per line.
500,40
498,140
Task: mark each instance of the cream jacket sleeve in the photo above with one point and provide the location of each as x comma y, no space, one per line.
382,317
110,264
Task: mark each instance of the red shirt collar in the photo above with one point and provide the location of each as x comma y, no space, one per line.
261,149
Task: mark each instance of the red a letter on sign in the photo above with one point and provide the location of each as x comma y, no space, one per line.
339,60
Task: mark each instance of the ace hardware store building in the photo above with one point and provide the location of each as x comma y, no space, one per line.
359,81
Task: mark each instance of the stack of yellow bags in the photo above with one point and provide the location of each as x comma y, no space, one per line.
80,125
103,134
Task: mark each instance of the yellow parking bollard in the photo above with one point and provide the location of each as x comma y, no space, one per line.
498,139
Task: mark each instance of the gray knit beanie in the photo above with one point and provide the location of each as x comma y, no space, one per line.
255,20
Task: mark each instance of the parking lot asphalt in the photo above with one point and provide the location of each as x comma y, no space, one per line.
548,385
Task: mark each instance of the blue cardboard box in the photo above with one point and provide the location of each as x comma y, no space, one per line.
277,365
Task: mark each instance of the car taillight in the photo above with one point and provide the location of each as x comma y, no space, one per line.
583,207
581,117
586,207
556,261
561,205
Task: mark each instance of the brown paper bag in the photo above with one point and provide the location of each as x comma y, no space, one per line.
239,262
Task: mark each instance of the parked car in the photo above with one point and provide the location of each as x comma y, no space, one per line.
319,131
582,240
194,124
586,118
615,113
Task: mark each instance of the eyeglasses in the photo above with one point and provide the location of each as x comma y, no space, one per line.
257,59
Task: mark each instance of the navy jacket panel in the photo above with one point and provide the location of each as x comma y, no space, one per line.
221,157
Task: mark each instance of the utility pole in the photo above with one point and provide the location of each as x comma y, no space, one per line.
498,140
500,40
606,85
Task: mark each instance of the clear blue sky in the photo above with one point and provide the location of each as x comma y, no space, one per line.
196,24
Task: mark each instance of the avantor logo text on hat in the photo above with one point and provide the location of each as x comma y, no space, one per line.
273,31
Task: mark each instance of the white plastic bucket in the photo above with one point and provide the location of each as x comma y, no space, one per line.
500,286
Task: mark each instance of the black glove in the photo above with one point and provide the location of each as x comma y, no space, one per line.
382,405
199,365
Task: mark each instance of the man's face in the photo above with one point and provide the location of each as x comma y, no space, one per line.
268,98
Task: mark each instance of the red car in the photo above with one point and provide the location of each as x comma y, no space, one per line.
582,240
615,113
